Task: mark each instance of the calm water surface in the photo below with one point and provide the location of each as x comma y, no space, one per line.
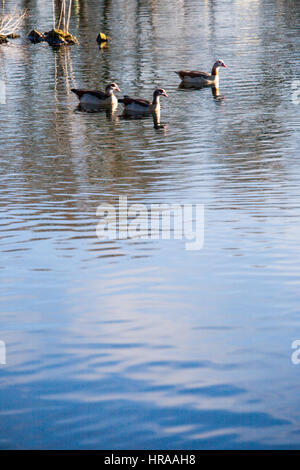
141,344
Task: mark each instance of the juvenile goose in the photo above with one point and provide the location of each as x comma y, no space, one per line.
193,78
98,98
136,105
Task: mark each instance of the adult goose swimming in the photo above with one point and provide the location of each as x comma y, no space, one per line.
193,78
98,98
136,105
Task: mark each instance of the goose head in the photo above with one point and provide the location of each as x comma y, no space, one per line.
111,88
160,92
219,63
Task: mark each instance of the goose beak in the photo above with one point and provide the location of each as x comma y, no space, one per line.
223,65
165,94
117,89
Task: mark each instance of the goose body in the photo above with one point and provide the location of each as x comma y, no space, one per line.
194,78
98,98
136,105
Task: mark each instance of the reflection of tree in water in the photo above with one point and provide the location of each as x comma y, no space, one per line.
63,67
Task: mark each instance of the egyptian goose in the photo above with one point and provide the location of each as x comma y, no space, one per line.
98,98
192,78
136,105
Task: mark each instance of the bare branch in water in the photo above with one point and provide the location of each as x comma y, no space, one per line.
64,16
53,14
11,22
60,15
69,15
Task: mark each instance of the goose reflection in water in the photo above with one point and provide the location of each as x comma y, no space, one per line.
214,90
110,112
157,124
216,94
